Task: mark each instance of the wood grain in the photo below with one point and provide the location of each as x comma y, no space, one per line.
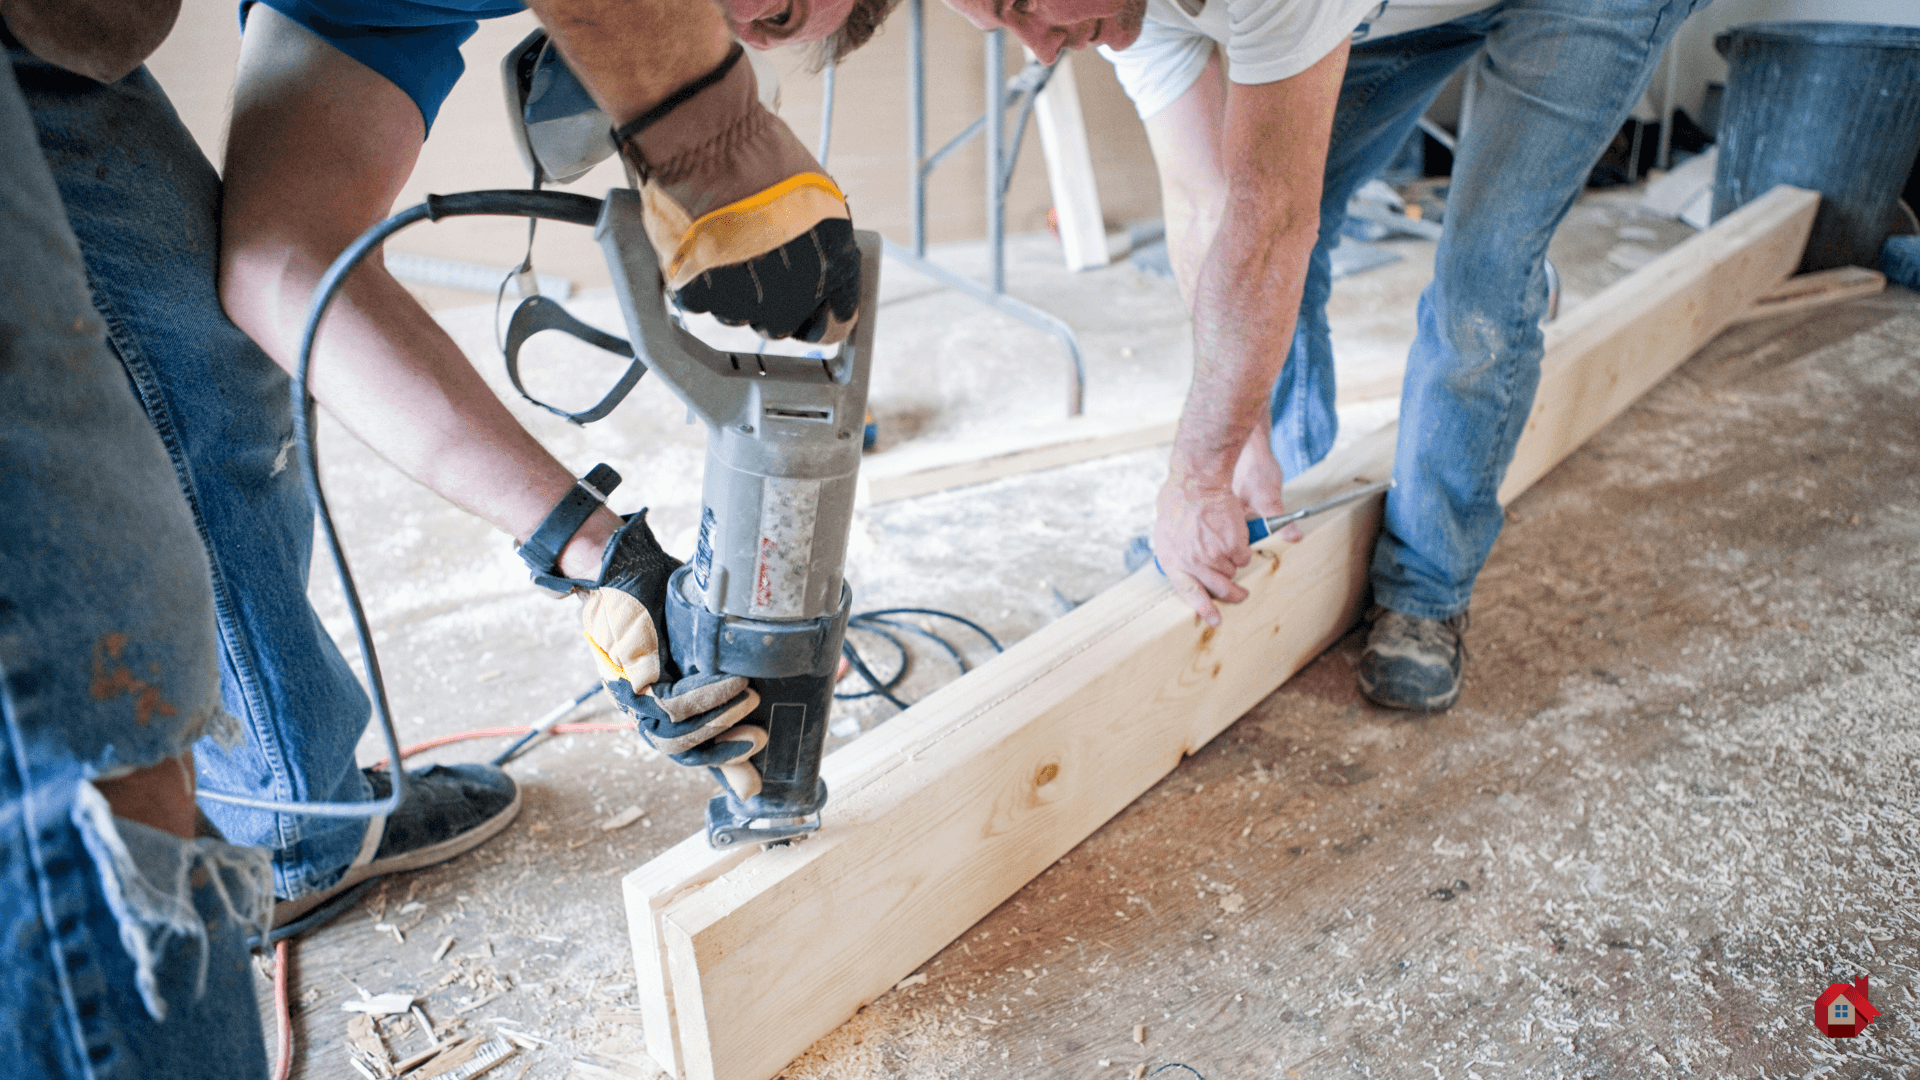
952,806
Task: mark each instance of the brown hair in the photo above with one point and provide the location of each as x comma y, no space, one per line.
862,23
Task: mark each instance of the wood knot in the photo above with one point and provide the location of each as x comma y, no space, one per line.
1046,774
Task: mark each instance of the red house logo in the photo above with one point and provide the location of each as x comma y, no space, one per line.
1843,1010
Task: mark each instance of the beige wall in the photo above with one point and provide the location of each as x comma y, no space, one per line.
470,148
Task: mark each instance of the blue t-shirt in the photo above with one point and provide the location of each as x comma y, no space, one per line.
414,43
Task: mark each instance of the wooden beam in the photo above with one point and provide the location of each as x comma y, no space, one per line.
1605,353
1819,289
911,470
1063,142
946,810
919,470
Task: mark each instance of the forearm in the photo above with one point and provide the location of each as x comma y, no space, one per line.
388,372
1246,298
631,54
306,172
1246,295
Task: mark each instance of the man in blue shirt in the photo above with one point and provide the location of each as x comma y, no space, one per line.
332,104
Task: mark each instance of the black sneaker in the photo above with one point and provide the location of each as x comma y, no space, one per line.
450,810
1413,663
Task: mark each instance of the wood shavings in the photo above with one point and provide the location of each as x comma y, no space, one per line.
365,1048
468,1059
414,1061
1138,1072
441,952
381,1004
622,819
1140,1033
911,980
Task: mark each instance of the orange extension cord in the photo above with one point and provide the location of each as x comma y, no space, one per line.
283,1066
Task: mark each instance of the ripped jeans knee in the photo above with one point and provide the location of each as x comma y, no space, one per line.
166,893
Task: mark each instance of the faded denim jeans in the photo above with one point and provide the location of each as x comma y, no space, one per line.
126,946
1559,79
144,203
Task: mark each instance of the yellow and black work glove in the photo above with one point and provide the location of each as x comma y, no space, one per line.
745,223
694,720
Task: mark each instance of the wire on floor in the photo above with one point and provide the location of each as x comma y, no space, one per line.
877,622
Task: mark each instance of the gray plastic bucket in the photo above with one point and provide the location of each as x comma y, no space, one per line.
1830,106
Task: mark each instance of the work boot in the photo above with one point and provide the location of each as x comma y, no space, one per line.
1413,663
449,810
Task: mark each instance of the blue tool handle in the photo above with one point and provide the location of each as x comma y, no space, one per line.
1256,530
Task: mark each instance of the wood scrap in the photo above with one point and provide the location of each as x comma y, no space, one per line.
920,470
1808,292
381,1004
944,812
622,819
365,1047
467,1060
1063,142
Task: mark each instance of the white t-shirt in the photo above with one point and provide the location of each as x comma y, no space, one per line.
1266,40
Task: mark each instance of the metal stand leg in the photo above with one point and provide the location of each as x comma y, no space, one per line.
1000,161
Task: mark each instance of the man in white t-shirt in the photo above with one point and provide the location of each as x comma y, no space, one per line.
1265,115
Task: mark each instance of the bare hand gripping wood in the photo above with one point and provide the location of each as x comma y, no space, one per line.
745,959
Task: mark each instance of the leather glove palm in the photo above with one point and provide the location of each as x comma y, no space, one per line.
693,719
744,221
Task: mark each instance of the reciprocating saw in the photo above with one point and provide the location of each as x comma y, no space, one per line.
764,596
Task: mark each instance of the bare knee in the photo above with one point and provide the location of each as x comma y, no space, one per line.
159,796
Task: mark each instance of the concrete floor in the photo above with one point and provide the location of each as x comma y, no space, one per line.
1673,804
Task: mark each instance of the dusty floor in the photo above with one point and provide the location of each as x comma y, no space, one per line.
1674,803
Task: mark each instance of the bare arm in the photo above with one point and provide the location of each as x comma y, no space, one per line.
633,53
318,150
1261,184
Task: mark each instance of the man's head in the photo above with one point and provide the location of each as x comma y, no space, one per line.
833,27
1048,26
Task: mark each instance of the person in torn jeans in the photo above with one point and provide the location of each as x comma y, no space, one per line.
127,932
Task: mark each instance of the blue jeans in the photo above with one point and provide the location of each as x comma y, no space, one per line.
126,946
1560,78
144,203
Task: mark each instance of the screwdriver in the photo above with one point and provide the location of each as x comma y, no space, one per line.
1261,528
1140,550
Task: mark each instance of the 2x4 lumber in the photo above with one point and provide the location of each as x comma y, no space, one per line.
979,788
910,471
913,470
1063,142
951,807
1819,289
1608,351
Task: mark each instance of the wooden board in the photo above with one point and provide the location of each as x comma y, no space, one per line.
1807,292
914,470
990,780
1605,353
949,808
1063,141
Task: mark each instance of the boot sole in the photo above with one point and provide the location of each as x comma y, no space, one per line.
286,911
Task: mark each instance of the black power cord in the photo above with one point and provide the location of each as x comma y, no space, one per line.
876,622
